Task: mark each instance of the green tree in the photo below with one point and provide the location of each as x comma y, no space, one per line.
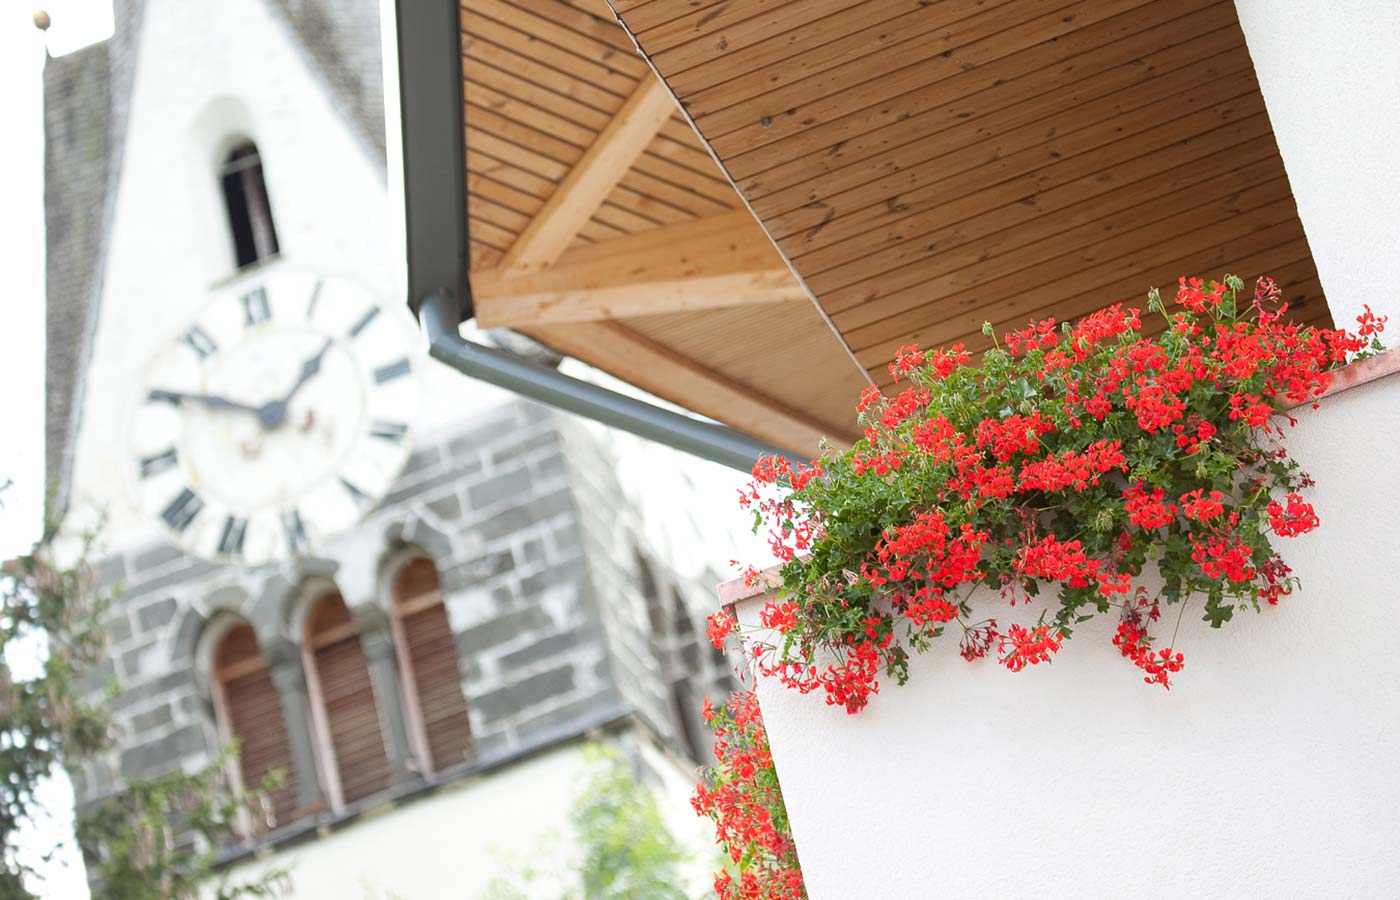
625,850
156,840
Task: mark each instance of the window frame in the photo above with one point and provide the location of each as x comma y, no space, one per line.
216,634
263,243
322,746
400,609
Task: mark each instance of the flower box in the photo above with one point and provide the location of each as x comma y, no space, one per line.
1269,770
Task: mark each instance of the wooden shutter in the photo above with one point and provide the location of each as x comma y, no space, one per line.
252,711
347,699
433,680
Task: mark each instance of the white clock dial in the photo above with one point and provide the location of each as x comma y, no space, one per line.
276,419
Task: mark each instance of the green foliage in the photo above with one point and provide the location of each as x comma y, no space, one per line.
1106,467
45,719
628,853
157,840
625,851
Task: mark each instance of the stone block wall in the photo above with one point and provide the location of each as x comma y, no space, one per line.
654,617
491,505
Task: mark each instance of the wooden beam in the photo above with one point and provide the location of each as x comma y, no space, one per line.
713,263
595,176
661,371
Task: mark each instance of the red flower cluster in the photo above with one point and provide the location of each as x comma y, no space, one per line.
1023,647
1251,409
1132,640
741,795
1276,581
850,680
1013,435
721,625
795,533
1073,470
1076,460
780,616
1201,508
1050,559
1102,325
1223,556
1294,519
1147,509
929,556
1196,296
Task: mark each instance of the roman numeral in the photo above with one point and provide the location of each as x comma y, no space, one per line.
198,340
389,431
182,510
160,396
297,541
315,298
392,370
364,321
231,542
161,462
359,496
255,307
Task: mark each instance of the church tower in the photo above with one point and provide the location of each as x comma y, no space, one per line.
411,593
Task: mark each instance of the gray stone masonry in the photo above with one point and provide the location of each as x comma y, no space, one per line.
662,662
492,505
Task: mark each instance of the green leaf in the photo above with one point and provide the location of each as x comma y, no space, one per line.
1218,614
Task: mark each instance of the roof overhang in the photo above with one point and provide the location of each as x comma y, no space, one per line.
750,217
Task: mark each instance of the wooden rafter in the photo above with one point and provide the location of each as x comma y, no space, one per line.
601,225
655,368
593,178
713,263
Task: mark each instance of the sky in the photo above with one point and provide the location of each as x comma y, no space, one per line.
76,23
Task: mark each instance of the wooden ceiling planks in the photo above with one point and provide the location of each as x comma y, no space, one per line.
552,90
928,166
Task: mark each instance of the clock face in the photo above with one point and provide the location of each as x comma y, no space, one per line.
276,419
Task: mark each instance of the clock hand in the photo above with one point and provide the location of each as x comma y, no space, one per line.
308,370
211,400
273,413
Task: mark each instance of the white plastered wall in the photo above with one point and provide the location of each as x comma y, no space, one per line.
451,844
1330,74
208,73
454,843
1268,771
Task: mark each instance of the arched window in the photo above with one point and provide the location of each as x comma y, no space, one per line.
249,210
432,683
346,716
249,709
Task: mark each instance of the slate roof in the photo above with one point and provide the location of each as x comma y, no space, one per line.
86,95
85,109
343,41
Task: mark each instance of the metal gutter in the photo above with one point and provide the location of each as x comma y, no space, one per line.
428,43
438,315
431,110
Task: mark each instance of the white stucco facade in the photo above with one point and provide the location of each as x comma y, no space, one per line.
1268,771
511,822
208,75
483,827
1330,76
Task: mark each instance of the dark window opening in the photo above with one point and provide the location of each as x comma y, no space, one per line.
249,211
